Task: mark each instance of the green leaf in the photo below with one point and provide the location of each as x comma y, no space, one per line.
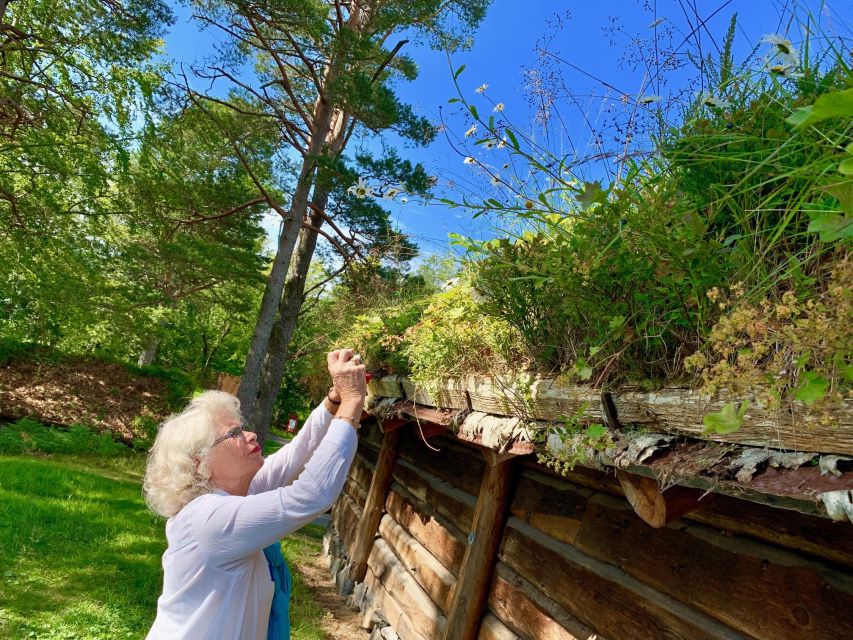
836,104
473,111
453,100
831,227
728,420
812,387
458,72
512,139
616,322
596,431
583,370
592,193
845,168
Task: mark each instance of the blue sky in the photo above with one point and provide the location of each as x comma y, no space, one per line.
506,44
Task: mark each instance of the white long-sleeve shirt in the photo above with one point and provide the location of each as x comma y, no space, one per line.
216,581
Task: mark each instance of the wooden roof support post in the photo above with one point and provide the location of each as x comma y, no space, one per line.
374,505
472,586
657,508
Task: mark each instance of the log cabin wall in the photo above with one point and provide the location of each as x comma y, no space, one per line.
574,561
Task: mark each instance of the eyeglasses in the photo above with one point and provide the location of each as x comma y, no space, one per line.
234,432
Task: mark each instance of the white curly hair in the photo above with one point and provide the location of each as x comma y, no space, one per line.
178,470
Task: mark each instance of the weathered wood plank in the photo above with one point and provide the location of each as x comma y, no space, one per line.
494,629
362,471
459,465
436,580
435,532
818,537
448,394
386,387
370,435
601,595
533,398
354,491
454,504
737,581
658,508
373,507
553,506
427,619
530,614
392,610
469,597
674,410
345,515
681,411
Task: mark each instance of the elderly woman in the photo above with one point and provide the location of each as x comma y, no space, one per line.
226,506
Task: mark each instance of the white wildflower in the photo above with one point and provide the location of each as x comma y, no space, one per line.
404,200
360,189
785,71
471,131
490,144
468,160
499,107
481,88
391,193
706,99
502,143
784,49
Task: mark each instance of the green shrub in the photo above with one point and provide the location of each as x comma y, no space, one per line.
454,338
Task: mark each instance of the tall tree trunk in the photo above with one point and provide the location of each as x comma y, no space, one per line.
251,378
147,356
288,312
325,135
260,415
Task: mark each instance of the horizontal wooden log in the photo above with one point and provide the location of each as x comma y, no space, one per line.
454,504
427,618
392,610
449,394
345,516
386,387
533,398
459,465
362,471
817,537
354,491
435,532
493,629
681,411
529,613
740,582
600,595
553,506
370,435
673,410
434,577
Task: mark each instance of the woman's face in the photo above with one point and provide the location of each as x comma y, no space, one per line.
235,458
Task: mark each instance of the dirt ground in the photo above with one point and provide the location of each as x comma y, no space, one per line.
339,622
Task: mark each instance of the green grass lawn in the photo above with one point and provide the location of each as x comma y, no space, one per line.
80,553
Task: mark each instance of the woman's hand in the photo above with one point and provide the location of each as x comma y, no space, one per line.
348,375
